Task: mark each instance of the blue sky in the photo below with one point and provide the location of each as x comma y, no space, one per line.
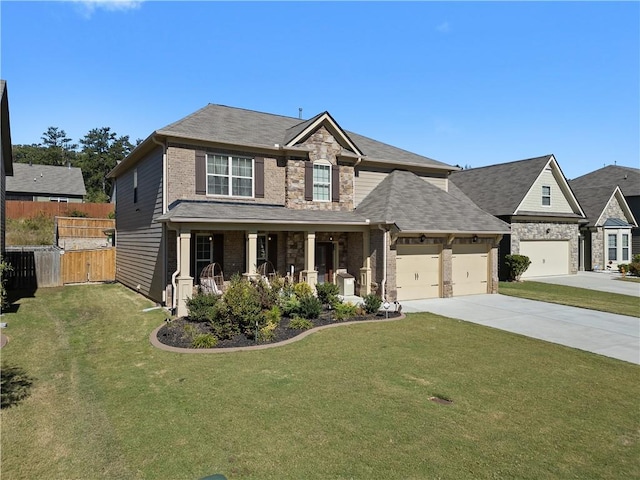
464,83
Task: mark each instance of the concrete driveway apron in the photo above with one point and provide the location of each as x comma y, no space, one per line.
616,336
603,281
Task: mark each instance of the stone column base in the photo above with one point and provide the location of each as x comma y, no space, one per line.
310,277
365,281
185,291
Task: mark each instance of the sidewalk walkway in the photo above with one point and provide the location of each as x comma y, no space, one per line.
616,336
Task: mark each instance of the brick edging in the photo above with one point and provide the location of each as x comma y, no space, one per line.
153,338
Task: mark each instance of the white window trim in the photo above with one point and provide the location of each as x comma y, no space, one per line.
230,176
323,163
59,199
544,196
619,233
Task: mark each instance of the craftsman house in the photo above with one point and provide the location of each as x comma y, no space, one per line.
243,189
534,197
610,197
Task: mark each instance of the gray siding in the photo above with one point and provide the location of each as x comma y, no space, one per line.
139,240
533,200
3,181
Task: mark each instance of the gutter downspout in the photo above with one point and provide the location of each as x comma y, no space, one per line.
384,263
174,285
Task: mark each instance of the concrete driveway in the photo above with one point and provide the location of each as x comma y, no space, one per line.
616,336
603,281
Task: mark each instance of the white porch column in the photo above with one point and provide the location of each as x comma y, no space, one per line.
251,254
184,280
365,271
310,274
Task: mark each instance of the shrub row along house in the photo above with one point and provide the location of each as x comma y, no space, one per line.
241,188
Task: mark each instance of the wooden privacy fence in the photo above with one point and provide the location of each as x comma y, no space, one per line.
84,227
21,209
37,267
81,266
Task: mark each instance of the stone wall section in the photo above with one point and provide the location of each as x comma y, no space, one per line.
322,146
597,250
538,231
612,210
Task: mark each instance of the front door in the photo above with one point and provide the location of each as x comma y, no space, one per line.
324,261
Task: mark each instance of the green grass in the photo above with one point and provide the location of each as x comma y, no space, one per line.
628,279
348,402
576,297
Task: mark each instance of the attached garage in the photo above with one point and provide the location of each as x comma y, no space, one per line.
548,257
470,272
418,271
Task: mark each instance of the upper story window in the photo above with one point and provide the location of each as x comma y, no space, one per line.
229,175
322,182
546,196
135,185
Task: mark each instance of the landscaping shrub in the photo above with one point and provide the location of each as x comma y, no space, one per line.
298,323
517,265
267,294
302,289
273,315
204,340
634,268
623,267
344,311
290,306
310,307
372,303
241,305
328,293
4,269
268,332
202,307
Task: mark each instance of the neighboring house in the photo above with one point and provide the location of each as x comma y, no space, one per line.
242,188
611,199
6,156
46,183
534,197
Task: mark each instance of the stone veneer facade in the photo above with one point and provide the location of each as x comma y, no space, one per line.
612,210
535,230
322,146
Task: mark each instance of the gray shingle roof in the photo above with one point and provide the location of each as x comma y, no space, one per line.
236,126
229,212
592,199
499,189
46,180
414,205
627,178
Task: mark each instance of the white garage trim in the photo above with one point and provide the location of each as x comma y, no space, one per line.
548,257
470,269
418,271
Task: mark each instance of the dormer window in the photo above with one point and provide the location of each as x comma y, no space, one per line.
322,182
546,196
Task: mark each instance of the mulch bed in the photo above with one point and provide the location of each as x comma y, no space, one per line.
174,334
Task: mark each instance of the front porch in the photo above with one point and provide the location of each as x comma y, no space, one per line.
310,254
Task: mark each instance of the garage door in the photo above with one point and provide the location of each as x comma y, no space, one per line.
418,271
470,269
548,257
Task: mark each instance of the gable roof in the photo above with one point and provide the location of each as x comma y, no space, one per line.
5,129
237,126
627,178
416,206
594,201
500,189
46,180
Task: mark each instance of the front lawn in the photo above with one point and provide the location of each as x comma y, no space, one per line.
347,402
573,296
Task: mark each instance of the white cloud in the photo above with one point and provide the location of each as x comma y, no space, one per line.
444,27
88,7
